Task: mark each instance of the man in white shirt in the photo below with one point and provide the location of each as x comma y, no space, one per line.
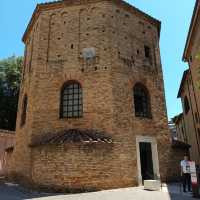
185,174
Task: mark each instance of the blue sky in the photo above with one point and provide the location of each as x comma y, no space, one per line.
175,16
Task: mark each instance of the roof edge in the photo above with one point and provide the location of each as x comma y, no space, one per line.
180,144
185,73
176,118
87,136
156,21
44,6
31,22
192,25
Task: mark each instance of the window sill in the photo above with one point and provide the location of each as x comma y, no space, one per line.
144,118
70,118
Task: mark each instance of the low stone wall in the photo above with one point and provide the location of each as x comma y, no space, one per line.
7,139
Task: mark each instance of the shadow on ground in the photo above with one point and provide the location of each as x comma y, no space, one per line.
175,192
10,191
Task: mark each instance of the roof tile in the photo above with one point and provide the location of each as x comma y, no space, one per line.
71,136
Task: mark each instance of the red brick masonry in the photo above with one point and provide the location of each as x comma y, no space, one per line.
7,139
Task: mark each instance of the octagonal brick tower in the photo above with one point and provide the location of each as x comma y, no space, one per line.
104,55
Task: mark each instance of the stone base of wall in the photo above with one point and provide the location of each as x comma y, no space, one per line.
73,190
30,185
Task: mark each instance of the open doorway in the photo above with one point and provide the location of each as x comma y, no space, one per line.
147,159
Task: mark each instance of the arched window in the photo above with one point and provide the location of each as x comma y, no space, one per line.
71,100
24,110
141,101
186,105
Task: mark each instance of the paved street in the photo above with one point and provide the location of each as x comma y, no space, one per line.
10,191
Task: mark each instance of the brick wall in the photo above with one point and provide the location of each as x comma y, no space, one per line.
194,62
53,54
192,56
7,139
173,168
79,167
189,118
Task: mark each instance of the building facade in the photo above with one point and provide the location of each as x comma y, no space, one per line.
187,123
172,128
88,114
192,55
180,128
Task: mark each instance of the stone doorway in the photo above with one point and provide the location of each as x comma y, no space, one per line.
147,159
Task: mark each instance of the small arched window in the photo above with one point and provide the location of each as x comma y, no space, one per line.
71,100
141,101
186,105
24,110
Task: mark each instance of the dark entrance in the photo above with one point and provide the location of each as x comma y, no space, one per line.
146,161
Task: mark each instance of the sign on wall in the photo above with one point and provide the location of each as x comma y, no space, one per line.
88,53
193,172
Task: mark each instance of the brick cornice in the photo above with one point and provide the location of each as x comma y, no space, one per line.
59,4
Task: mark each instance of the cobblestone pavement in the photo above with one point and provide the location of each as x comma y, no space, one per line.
10,191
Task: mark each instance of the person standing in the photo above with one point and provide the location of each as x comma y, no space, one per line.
185,174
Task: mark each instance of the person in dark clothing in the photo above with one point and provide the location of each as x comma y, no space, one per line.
186,182
185,174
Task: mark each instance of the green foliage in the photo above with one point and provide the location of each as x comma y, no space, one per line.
10,69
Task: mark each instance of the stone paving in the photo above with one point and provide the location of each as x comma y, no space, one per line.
10,191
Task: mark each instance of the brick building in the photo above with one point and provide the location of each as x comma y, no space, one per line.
92,110
192,56
180,128
172,129
188,122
